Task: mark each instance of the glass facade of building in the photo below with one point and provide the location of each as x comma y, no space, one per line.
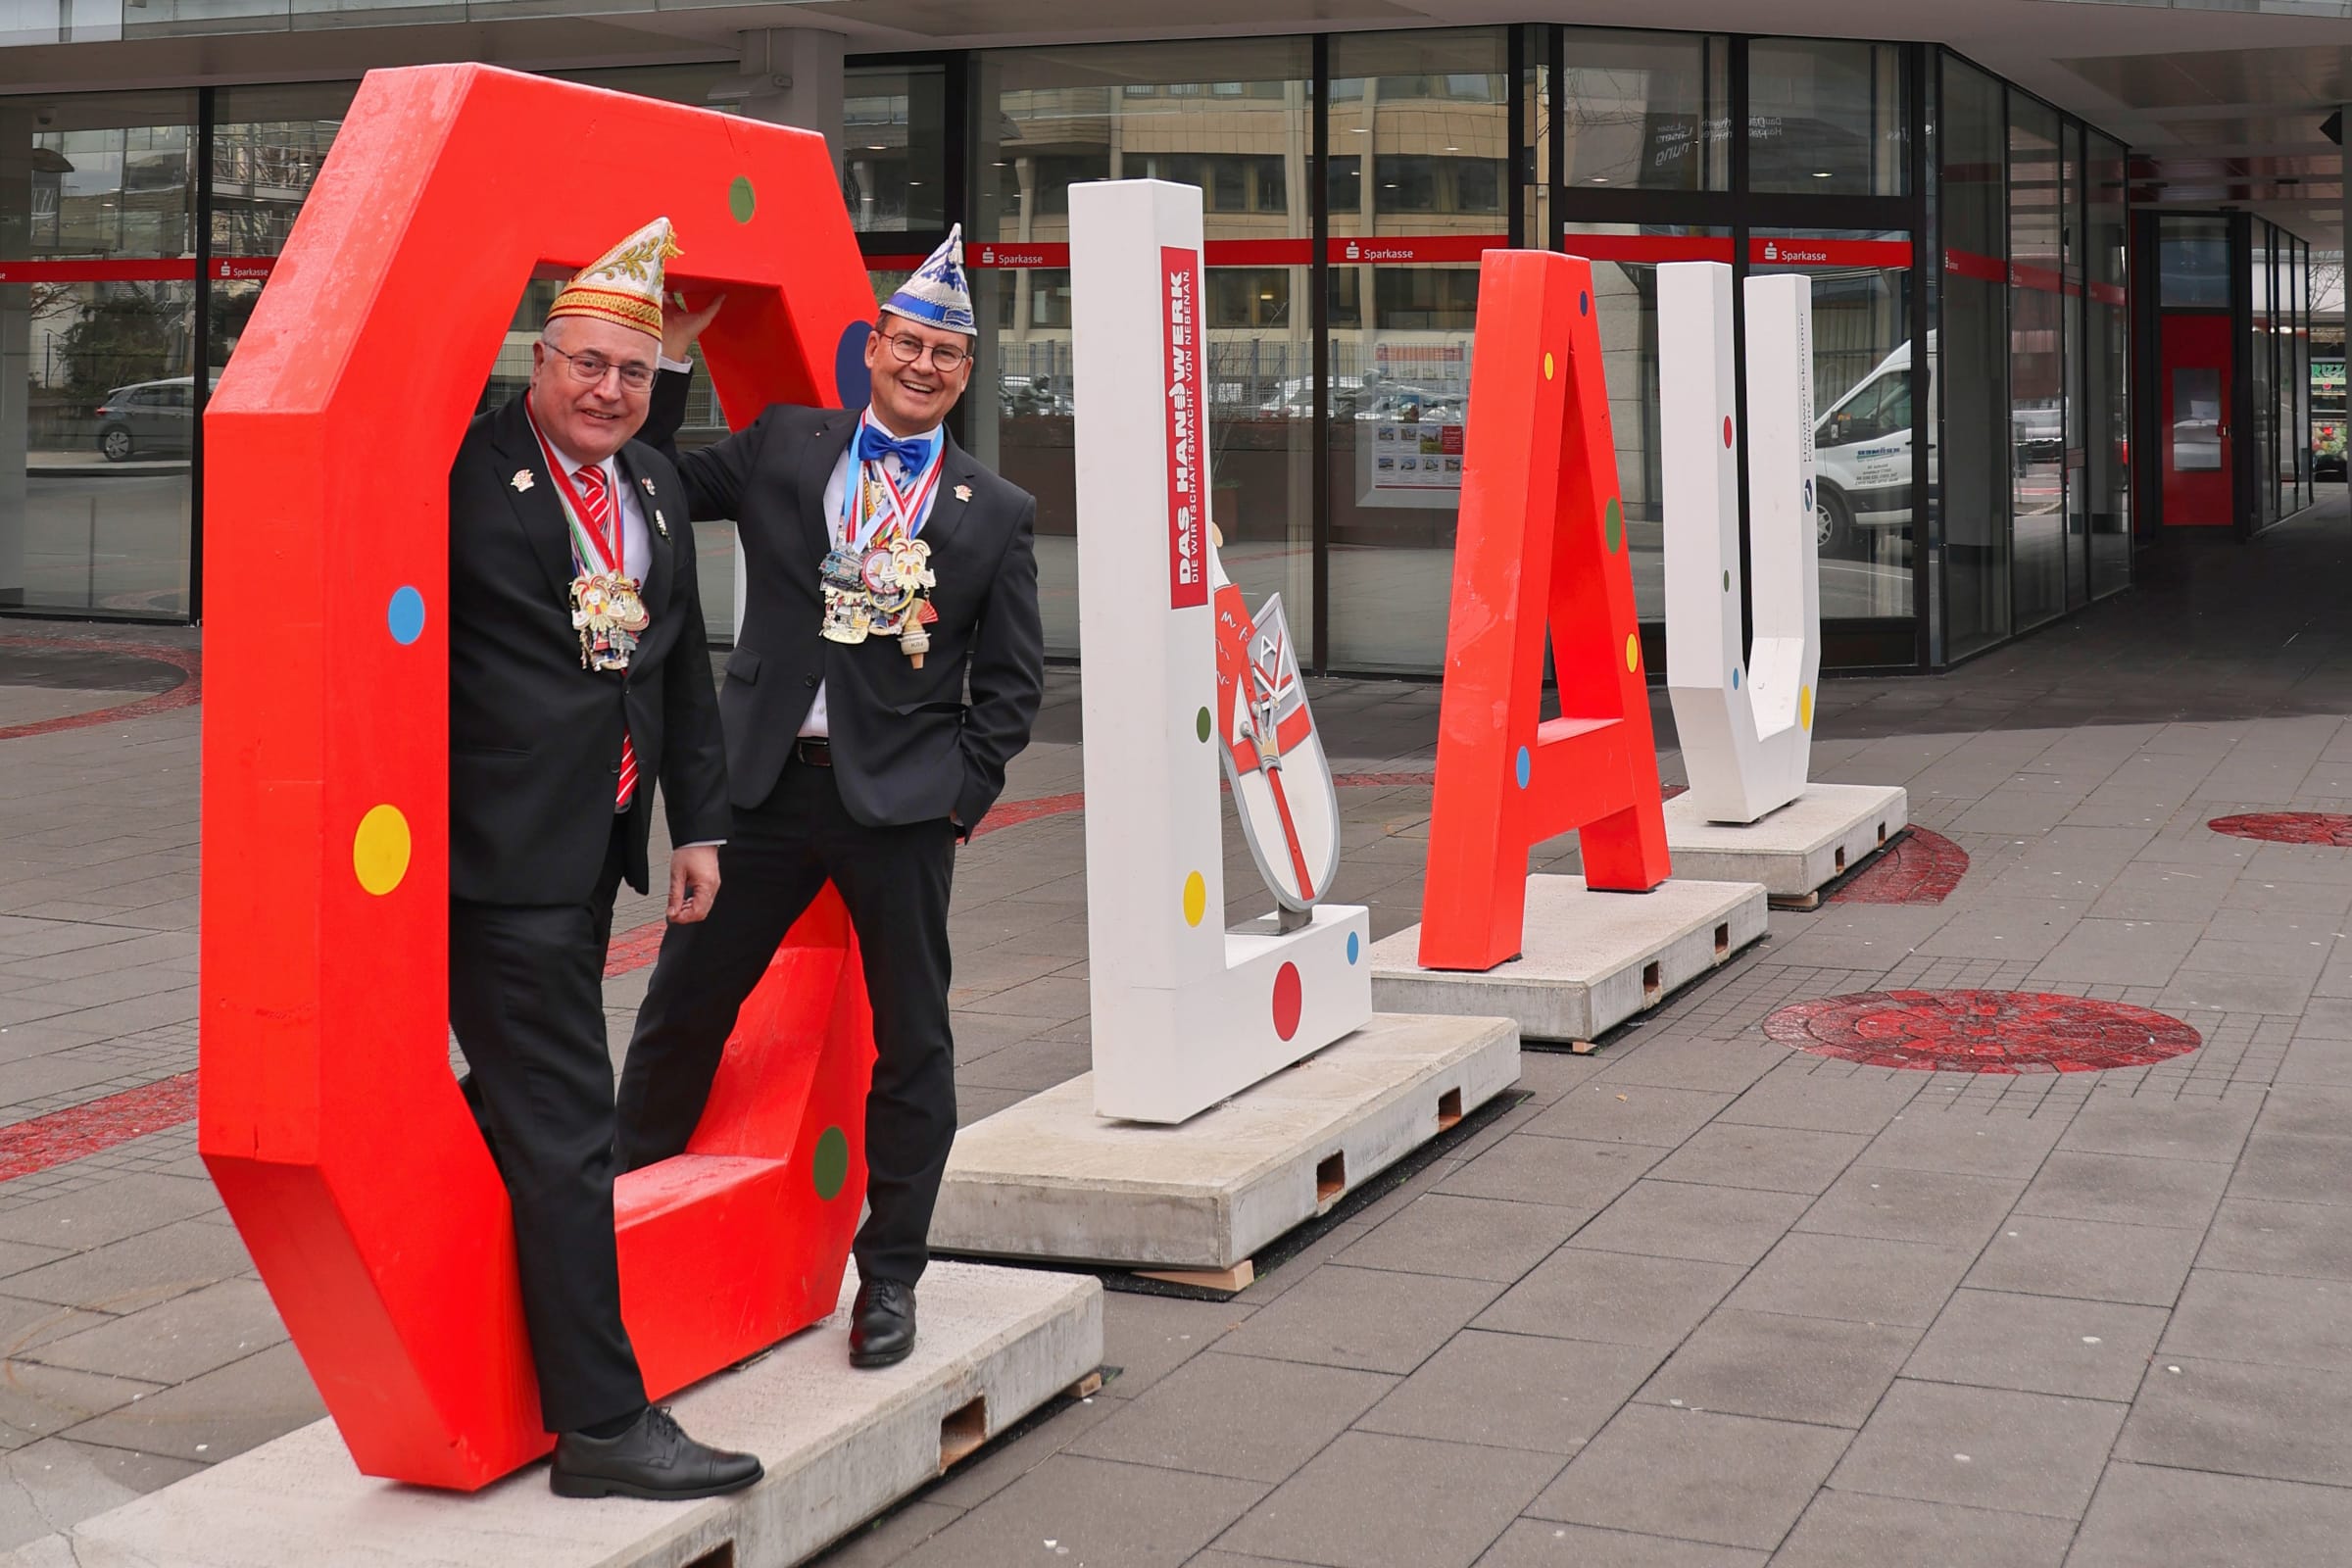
1967,245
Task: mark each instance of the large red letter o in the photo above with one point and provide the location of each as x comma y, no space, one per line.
329,1118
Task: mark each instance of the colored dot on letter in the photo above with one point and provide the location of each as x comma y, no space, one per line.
739,199
1196,899
1201,725
1804,706
1616,524
1355,947
1546,367
404,617
831,1167
379,851
1583,304
1727,429
1289,1000
1521,767
1632,650
1735,677
1726,582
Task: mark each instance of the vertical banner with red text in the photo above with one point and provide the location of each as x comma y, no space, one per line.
1188,513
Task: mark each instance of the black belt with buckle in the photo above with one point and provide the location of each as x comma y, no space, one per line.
813,749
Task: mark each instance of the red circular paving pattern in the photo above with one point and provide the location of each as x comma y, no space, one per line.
1981,1031
1919,867
2288,827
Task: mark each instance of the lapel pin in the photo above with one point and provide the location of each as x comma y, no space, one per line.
660,527
647,481
963,492
521,482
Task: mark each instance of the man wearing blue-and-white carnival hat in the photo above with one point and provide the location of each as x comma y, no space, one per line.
885,566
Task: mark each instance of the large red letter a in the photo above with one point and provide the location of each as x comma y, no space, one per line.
1541,538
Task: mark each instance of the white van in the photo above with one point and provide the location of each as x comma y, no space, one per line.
1862,454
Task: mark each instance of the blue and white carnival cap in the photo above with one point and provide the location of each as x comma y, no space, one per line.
937,295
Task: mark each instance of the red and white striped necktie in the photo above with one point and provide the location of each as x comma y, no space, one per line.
603,524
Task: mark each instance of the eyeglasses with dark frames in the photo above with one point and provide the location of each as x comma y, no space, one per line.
909,348
590,369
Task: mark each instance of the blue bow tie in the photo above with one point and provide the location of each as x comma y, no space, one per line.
875,443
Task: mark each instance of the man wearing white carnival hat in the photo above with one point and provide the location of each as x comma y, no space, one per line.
886,567
580,678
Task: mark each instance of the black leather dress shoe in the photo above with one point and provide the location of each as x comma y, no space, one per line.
655,1459
881,1323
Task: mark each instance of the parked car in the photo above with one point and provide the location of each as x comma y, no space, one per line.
148,419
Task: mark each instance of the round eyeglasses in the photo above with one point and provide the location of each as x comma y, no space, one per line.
590,369
907,349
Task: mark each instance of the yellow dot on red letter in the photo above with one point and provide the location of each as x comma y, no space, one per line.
1546,367
1196,899
379,851
1632,650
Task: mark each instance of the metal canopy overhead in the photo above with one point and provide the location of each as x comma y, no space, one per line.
2223,99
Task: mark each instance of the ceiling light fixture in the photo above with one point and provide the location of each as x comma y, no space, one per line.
1823,173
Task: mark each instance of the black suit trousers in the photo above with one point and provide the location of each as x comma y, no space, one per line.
527,1000
895,881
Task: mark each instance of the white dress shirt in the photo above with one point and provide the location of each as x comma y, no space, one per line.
837,492
636,545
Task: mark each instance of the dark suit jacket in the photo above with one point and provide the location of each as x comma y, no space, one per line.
534,740
907,746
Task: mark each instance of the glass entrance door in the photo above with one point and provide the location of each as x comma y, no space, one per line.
2194,378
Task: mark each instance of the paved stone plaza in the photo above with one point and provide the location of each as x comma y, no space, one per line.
1698,1299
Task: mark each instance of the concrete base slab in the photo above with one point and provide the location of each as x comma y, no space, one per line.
1592,959
1797,851
1050,1178
840,1447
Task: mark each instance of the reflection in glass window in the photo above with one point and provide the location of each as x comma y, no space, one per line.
1827,119
1649,111
1236,120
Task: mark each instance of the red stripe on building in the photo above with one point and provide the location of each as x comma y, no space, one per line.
1648,249
1805,250
141,270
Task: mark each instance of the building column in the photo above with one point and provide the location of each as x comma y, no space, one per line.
16,346
794,77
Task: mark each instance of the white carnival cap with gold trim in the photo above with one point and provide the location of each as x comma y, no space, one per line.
624,285
936,295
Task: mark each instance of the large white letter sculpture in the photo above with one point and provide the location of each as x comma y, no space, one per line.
1746,725
1185,1012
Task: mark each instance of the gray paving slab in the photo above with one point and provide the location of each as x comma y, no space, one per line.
1617,1297
1601,1111
1818,1370
1856,1530
2143,1515
1680,1219
2039,1344
1237,1416
1098,1510
1514,1390
1777,1159
2097,1260
1642,1474
2273,1319
2310,1239
1465,1238
1982,1448
1376,1320
1896,1204
1567,1172
1540,1544
1373,1500
1967,1142
2126,1188
2285,1423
